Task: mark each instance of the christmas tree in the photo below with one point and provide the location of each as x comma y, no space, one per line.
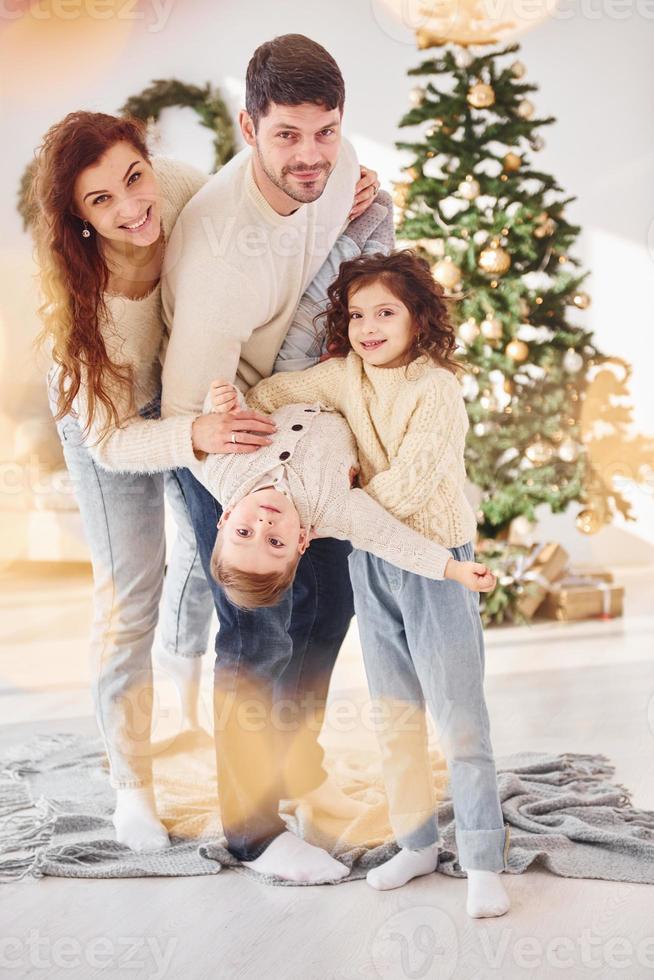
495,231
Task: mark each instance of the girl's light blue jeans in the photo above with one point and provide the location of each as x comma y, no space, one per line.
123,519
423,645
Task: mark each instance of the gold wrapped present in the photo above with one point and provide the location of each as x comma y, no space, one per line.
542,567
584,597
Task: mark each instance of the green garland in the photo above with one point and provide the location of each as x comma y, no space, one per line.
206,101
148,106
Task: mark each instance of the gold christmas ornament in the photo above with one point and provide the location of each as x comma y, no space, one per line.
581,300
494,259
568,450
481,96
469,188
412,173
517,350
447,273
518,70
417,96
512,162
539,452
572,361
546,226
400,194
469,331
526,109
588,521
491,328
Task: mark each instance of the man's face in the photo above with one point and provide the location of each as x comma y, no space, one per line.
297,147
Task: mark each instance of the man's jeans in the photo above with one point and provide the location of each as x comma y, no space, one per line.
423,641
273,667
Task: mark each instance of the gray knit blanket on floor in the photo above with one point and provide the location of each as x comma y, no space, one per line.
564,811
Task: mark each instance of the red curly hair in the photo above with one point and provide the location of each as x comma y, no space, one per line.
409,279
73,272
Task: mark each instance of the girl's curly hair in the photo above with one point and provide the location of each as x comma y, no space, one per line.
410,280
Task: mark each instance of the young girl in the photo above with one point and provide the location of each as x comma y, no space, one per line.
393,378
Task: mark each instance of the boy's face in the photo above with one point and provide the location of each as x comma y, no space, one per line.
262,532
296,147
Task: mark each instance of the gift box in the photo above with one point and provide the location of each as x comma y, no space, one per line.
542,567
583,598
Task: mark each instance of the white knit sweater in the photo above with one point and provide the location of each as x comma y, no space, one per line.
316,449
409,424
234,273
134,335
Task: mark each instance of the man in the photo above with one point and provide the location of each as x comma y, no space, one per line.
239,259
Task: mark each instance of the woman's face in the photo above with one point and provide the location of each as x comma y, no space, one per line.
119,196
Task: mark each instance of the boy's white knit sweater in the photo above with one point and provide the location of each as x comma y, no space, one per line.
409,424
316,449
133,335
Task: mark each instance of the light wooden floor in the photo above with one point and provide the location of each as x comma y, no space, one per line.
588,687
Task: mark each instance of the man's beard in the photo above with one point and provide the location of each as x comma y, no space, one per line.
302,194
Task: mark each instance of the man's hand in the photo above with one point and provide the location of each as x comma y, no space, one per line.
240,431
476,577
223,396
364,193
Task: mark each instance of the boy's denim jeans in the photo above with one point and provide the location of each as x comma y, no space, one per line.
123,520
273,667
423,642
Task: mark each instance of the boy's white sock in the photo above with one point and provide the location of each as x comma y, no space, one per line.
135,819
402,867
293,859
486,894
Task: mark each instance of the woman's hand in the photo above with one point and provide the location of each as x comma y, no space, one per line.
364,193
240,431
476,577
223,396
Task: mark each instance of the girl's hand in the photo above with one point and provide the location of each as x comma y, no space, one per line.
476,577
223,396
240,431
364,193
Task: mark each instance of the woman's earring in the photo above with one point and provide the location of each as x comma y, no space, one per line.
86,233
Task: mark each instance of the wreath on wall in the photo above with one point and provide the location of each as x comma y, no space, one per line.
148,106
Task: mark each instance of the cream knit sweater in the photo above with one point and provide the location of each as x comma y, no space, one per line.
234,273
316,450
134,334
409,424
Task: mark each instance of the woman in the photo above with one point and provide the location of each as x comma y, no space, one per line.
105,210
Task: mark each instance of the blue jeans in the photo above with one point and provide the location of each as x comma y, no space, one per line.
272,672
123,519
423,642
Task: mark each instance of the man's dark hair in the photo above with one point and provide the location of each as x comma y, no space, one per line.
290,70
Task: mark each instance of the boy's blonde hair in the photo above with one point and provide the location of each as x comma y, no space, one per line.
251,590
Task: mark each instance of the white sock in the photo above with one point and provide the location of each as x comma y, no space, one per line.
402,867
135,819
293,859
186,674
486,894
330,798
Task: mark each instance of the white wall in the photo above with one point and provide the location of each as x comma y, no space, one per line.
595,75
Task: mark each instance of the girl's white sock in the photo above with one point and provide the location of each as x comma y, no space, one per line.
135,819
404,866
293,859
486,894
